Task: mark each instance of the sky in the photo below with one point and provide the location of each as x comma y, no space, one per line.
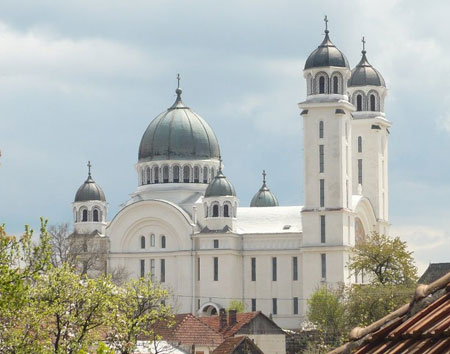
81,80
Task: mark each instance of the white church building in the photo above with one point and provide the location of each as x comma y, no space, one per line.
184,224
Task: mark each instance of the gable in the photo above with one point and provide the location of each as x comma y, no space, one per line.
260,325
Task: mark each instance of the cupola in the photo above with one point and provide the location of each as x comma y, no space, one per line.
264,197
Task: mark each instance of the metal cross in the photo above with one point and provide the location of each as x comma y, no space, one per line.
178,78
326,23
364,43
264,176
89,167
220,162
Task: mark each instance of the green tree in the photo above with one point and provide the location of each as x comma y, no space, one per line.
236,305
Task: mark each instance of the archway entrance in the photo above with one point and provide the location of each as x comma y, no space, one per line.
209,309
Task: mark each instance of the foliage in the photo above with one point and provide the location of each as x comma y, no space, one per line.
236,305
385,260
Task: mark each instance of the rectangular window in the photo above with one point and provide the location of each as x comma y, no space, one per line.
162,278
323,257
152,269
321,159
198,304
274,306
216,243
142,268
198,268
253,269
360,171
359,143
253,305
274,268
295,305
294,268
321,129
322,228
216,268
322,193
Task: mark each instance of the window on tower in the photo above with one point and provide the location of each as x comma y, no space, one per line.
142,242
215,211
335,84
360,167
156,174
176,174
321,158
321,129
359,103
186,174
372,103
359,143
322,228
148,175
95,215
226,211
84,215
322,193
205,174
321,84
166,174
196,174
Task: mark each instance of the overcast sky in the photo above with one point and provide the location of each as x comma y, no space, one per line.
81,80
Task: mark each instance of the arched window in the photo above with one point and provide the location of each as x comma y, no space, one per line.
176,174
335,84
321,129
215,211
196,174
359,103
205,174
359,143
95,215
372,103
142,242
148,175
226,211
143,176
186,174
163,241
321,84
156,174
85,215
152,240
166,174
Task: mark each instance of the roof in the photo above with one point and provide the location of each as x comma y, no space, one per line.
220,186
280,219
422,326
188,329
178,134
326,55
264,197
89,190
434,272
365,74
238,345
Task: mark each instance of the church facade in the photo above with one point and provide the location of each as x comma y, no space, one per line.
184,225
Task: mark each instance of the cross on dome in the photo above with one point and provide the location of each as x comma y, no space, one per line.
364,44
178,79
89,168
264,176
326,24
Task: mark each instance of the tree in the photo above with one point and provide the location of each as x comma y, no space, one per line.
236,305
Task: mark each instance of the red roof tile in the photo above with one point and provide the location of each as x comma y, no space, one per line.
232,343
241,320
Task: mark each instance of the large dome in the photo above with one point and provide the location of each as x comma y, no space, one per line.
326,55
365,74
178,134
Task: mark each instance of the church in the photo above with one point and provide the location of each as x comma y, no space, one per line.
185,226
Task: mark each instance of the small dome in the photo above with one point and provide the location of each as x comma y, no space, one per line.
178,134
264,197
89,190
220,186
365,74
326,55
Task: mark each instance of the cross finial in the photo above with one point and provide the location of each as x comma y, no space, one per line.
364,44
264,176
89,168
220,163
178,79
326,23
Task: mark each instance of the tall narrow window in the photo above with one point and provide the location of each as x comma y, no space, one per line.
186,174
321,158
253,305
216,243
295,303
162,278
323,258
163,241
359,103
322,229
372,103
274,268
148,175
156,174
85,215
226,212
253,269
360,167
143,176
196,174
321,84
216,268
274,306
176,174
335,84
294,268
205,174
152,240
359,143
152,269
95,215
322,193
198,268
215,211
321,129
142,242
142,268
166,174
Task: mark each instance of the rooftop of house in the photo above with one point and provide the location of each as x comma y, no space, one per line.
234,344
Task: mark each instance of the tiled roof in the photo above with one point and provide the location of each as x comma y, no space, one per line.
423,326
241,320
434,272
232,343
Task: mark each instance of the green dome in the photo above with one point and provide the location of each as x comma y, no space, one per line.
264,197
220,186
178,134
89,190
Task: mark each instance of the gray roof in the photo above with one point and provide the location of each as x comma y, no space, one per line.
220,186
434,272
365,74
89,190
326,55
178,134
264,198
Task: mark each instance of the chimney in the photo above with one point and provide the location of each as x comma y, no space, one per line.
222,318
231,317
